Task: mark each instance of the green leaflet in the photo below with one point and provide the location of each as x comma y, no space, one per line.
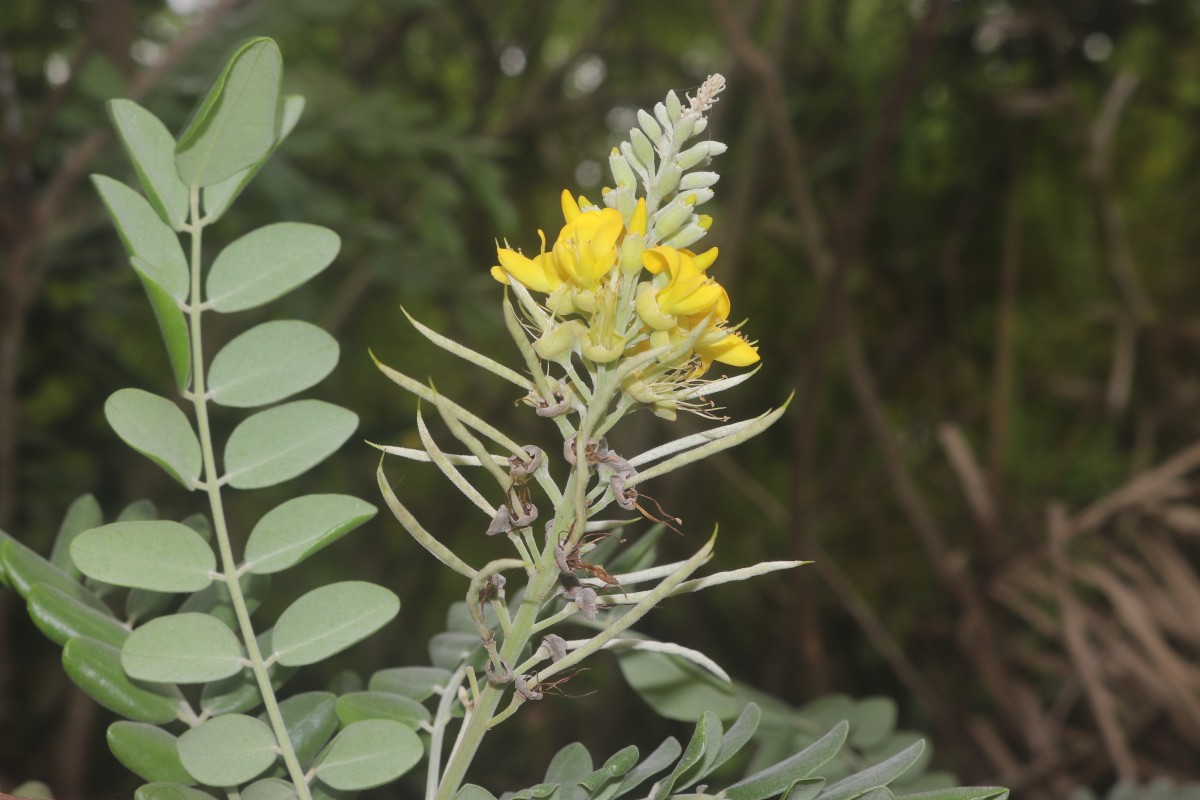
96,668
159,555
294,530
235,125
369,753
267,263
227,750
270,362
285,441
330,619
148,751
146,236
156,428
182,648
151,149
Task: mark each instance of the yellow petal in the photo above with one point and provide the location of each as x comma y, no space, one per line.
658,259
705,260
637,223
570,208
732,350
499,274
537,274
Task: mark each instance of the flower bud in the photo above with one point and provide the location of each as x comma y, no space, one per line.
694,155
621,171
674,107
687,235
683,131
698,180
633,161
559,340
660,113
642,147
631,253
671,217
648,124
668,179
594,349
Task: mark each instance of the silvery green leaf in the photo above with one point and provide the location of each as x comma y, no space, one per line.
417,683
368,754
83,514
146,236
775,779
182,648
235,125
218,196
294,530
160,790
310,719
282,442
227,750
357,706
159,430
270,362
151,148
327,620
879,775
159,555
24,569
268,262
171,323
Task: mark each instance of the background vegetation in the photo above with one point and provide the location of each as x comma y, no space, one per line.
963,233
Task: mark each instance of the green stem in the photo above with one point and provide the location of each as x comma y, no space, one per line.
212,486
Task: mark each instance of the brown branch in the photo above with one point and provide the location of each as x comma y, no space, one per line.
1076,637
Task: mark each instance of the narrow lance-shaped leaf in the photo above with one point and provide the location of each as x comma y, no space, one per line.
776,778
880,774
282,442
159,430
234,126
151,148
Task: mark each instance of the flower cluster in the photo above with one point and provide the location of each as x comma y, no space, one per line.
619,280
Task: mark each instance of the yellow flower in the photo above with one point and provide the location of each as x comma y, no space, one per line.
540,273
727,347
689,291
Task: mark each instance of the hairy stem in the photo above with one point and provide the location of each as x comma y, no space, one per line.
213,487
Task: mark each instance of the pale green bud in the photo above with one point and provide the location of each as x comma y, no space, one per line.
660,113
621,171
687,235
701,125
671,217
642,148
631,252
674,107
682,131
632,160
701,196
668,179
648,124
640,392
559,340
697,154
698,180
